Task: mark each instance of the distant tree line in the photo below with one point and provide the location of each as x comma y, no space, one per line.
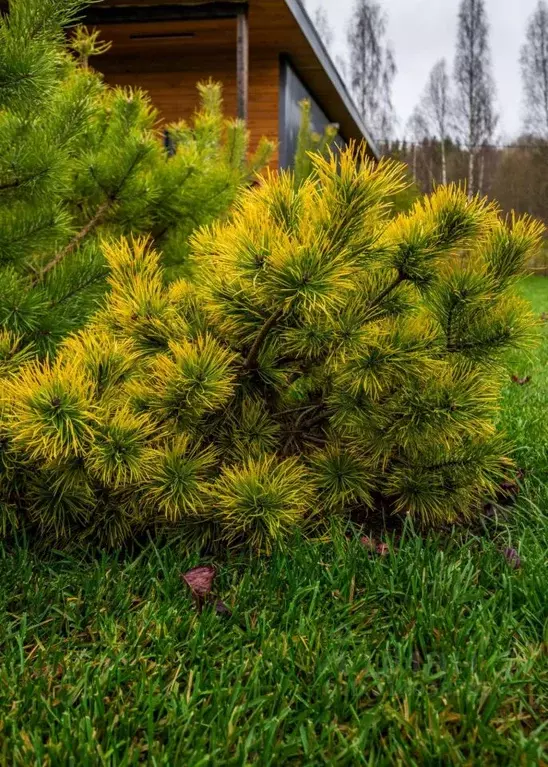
452,133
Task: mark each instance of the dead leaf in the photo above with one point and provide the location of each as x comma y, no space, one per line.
451,717
352,589
417,661
222,609
521,381
512,557
200,580
510,487
383,550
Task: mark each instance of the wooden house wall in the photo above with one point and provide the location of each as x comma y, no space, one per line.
169,68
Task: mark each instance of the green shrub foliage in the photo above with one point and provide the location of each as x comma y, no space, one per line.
325,358
310,142
80,161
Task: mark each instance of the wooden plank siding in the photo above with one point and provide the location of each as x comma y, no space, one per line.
145,55
169,68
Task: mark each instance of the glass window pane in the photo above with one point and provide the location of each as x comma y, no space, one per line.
292,92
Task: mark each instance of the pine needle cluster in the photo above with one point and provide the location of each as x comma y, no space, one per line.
81,162
325,358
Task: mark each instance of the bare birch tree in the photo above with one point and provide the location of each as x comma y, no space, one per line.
436,108
372,67
323,27
475,117
418,129
534,71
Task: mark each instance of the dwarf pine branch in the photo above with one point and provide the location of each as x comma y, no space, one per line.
378,300
253,356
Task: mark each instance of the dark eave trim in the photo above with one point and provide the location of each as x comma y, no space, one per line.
309,30
136,14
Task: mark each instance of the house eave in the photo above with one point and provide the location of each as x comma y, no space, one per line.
314,40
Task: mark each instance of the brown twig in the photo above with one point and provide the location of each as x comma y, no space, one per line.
15,183
97,218
386,292
76,240
253,356
318,418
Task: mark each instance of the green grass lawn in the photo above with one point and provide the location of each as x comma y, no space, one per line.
525,408
434,655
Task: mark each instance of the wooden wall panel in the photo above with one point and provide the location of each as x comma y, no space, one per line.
264,88
173,91
169,68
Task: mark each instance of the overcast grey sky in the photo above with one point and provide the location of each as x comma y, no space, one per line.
423,31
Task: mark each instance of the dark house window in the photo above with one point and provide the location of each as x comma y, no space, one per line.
292,92
169,144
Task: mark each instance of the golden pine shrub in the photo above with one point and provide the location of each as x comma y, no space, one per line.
325,358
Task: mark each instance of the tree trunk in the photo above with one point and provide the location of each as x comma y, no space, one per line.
414,167
481,173
443,163
471,168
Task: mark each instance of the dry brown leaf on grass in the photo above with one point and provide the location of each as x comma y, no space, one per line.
221,608
512,557
200,580
373,546
521,381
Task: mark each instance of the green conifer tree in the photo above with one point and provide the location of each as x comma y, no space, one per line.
81,162
325,358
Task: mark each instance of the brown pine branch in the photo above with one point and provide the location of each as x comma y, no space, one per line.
386,292
77,239
97,218
253,356
16,183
